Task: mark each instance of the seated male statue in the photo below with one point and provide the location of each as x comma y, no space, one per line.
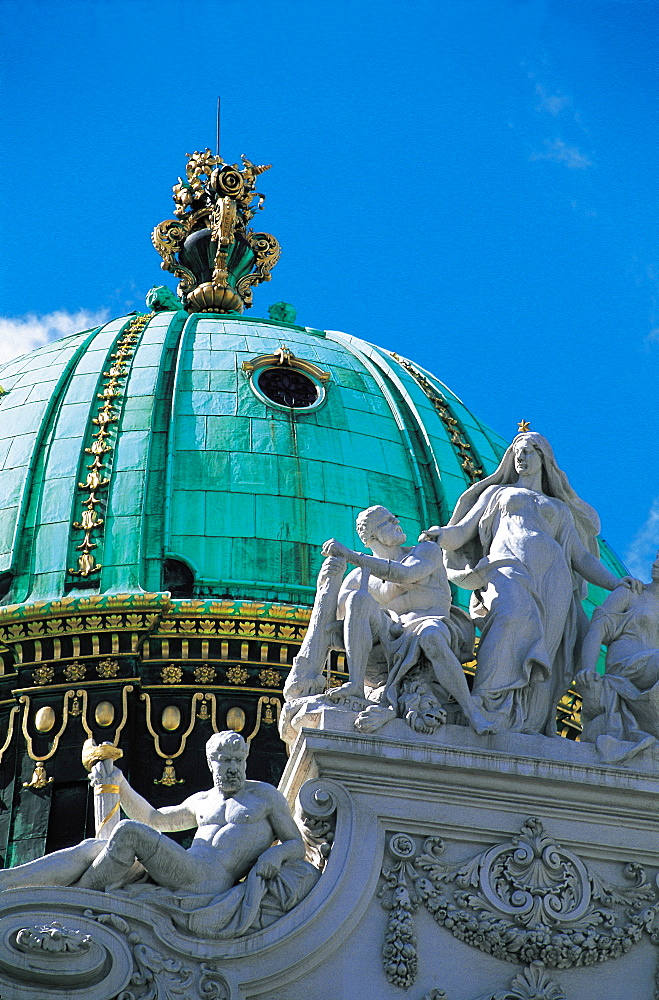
400,598
237,821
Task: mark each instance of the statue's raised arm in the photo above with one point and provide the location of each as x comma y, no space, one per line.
403,639
236,822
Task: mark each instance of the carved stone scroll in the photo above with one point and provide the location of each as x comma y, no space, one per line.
316,817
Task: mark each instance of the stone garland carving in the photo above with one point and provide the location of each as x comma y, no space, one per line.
399,951
533,983
527,900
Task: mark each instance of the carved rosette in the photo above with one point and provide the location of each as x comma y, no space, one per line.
209,246
527,900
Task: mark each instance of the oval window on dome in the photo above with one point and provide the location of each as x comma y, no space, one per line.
288,387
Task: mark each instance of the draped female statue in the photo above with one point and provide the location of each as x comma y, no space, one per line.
525,544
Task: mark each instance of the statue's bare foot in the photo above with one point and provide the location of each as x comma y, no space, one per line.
348,690
481,725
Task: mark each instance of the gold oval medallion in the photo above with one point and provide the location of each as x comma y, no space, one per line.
236,719
170,718
44,720
104,713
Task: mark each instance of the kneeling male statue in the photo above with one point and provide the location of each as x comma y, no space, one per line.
237,821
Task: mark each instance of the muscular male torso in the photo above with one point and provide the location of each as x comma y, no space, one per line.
222,823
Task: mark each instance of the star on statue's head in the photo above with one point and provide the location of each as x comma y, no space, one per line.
523,426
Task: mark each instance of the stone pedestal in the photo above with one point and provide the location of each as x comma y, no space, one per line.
520,847
476,868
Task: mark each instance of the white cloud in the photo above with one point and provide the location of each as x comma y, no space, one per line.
21,334
559,152
553,103
644,547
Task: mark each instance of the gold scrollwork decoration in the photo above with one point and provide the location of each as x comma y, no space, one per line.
40,778
222,199
203,714
10,730
81,696
223,228
265,714
267,252
169,773
284,356
168,238
125,691
466,455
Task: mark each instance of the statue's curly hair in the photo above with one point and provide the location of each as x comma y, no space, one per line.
226,738
366,519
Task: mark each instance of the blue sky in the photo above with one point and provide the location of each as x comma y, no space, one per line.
471,183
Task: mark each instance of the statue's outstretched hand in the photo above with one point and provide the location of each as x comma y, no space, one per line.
334,548
632,583
433,534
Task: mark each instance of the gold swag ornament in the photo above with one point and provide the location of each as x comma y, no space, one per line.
209,246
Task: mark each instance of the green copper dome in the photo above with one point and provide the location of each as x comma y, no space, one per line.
206,486
166,482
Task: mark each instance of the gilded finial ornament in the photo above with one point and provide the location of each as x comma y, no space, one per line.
208,246
168,777
523,426
39,778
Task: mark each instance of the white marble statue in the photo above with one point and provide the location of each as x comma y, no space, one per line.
397,604
525,544
620,711
236,823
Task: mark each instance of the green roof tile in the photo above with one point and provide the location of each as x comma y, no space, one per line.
205,471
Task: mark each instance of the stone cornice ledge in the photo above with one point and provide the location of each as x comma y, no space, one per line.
509,773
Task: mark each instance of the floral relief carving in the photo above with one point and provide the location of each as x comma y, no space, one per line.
161,977
204,674
43,675
269,677
52,937
171,674
527,900
237,675
74,671
533,983
107,669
